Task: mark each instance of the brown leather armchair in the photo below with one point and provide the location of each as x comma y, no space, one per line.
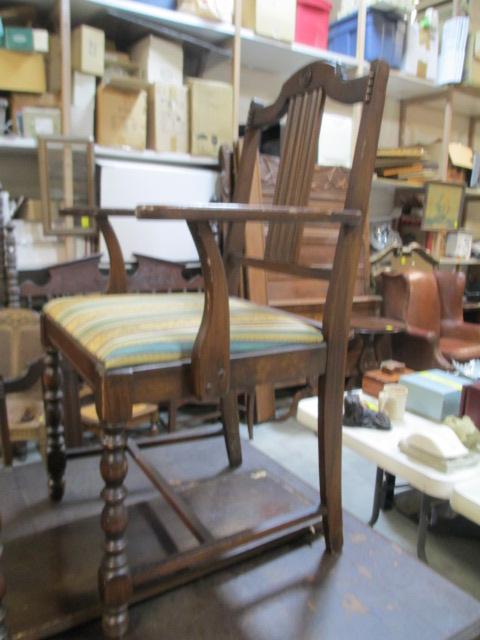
431,306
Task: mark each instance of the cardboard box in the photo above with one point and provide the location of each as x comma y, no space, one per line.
434,394
121,118
459,244
41,121
25,39
460,159
271,18
31,210
18,101
88,50
40,40
82,112
211,108
159,60
221,10
422,47
168,118
470,403
22,72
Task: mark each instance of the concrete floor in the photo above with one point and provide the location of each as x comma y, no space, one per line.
295,447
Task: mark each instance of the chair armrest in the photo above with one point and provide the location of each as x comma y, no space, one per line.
232,212
462,330
117,278
25,381
417,332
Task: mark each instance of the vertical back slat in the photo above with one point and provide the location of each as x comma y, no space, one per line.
295,171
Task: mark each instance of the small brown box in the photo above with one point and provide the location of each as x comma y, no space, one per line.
470,403
121,118
374,381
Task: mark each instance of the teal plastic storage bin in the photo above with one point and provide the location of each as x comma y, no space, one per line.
434,394
384,37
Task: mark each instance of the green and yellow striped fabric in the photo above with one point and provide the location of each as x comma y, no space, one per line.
135,329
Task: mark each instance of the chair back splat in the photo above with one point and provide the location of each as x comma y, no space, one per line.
302,101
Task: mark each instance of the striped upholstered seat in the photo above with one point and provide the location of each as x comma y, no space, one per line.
135,329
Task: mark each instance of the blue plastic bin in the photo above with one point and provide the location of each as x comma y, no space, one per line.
165,4
384,37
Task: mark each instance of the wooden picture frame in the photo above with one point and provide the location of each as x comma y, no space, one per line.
67,178
443,206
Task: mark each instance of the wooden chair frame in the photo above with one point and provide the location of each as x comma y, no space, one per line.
212,371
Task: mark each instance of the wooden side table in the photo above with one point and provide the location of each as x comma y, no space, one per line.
374,332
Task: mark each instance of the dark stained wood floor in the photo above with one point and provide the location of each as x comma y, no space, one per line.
372,590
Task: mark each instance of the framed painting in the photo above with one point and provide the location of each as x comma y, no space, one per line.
443,206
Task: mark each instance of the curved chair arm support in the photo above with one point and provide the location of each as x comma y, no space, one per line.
211,350
26,380
117,279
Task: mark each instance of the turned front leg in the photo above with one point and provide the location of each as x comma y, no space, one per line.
3,625
115,583
53,401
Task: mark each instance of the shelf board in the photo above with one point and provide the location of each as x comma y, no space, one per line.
209,30
391,183
258,52
459,261
466,99
154,157
20,145
403,87
283,57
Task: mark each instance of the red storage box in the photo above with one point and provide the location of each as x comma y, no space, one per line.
470,403
312,22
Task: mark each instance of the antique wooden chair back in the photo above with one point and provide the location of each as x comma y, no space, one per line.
302,100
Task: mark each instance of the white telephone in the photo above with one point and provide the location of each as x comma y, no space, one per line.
440,442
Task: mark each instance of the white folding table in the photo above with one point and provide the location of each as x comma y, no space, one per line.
381,448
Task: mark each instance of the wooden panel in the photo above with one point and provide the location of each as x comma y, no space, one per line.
318,242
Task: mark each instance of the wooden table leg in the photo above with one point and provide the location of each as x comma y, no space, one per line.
115,583
53,401
377,496
3,624
424,516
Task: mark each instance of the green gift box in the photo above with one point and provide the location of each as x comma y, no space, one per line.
434,394
19,39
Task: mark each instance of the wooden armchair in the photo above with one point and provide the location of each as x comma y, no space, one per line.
136,348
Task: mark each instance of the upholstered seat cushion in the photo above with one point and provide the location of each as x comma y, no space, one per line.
135,329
